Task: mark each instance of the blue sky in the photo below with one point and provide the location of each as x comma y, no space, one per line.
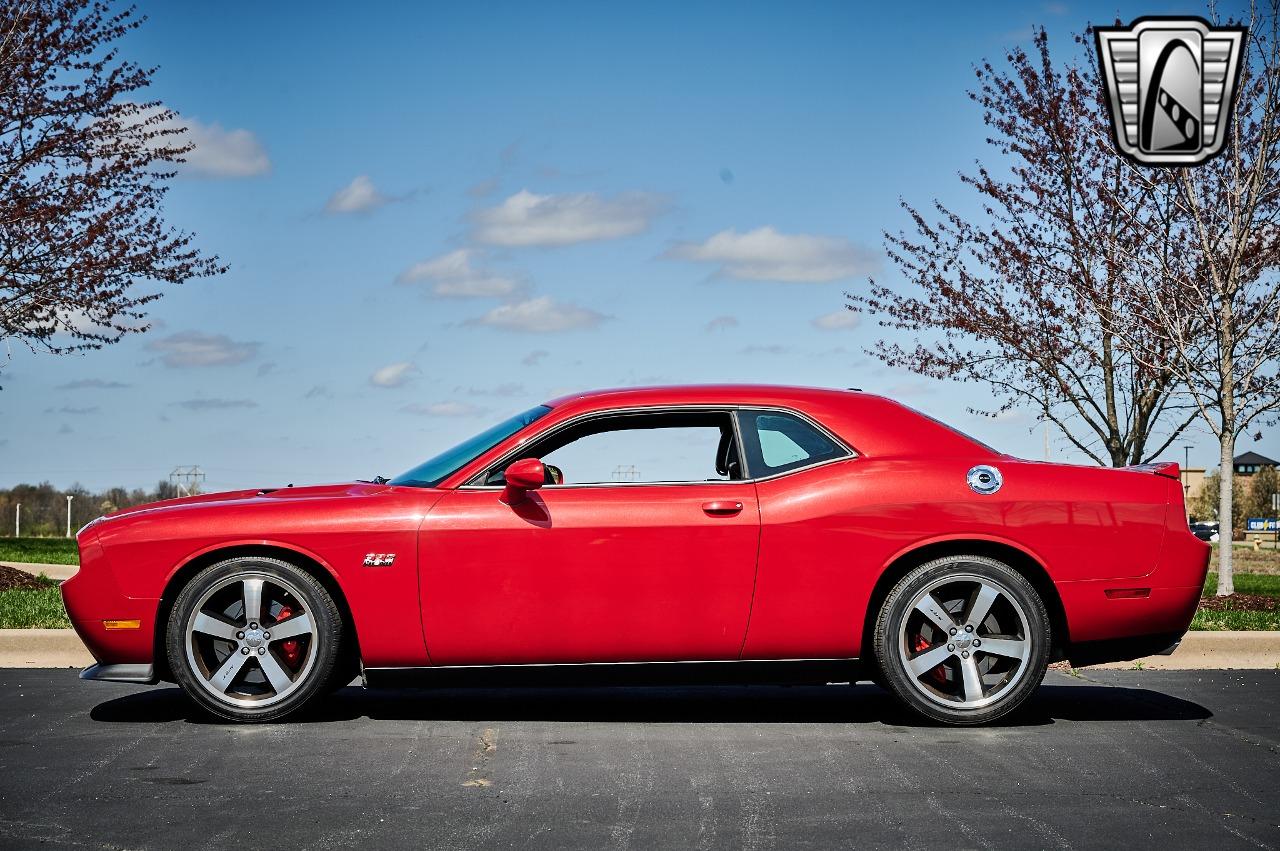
438,215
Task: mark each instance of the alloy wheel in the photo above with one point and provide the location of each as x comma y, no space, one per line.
250,640
964,641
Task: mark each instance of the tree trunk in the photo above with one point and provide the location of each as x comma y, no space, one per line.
1226,584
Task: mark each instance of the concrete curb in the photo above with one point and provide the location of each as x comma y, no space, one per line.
42,648
1218,650
60,572
61,648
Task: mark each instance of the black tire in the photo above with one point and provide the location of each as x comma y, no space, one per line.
982,685
198,658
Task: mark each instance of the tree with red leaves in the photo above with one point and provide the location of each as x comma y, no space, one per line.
83,174
1213,305
1032,296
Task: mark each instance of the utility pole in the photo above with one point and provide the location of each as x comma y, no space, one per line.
17,521
68,515
1186,462
187,479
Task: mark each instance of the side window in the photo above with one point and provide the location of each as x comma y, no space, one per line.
677,446
778,441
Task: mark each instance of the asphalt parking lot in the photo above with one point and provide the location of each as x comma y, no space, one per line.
1140,758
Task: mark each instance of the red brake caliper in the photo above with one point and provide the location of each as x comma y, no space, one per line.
289,647
938,674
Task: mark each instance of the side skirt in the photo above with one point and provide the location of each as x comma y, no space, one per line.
781,672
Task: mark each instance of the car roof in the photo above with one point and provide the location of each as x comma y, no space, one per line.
695,394
867,422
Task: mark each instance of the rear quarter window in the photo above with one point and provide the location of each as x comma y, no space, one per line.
776,441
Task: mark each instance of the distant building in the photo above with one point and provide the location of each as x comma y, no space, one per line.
1251,462
1246,466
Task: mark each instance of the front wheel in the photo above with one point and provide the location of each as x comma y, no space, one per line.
253,638
963,640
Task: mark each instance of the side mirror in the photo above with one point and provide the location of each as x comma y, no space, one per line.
525,475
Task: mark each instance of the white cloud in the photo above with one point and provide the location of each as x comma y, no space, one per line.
453,275
721,323
394,375
505,389
540,315
534,357
358,196
193,348
68,409
529,219
484,188
837,320
218,152
215,404
764,254
80,321
443,409
92,384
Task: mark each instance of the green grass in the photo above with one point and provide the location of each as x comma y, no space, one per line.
40,550
1246,583
1211,621
39,608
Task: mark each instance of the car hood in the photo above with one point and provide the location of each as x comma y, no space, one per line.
353,489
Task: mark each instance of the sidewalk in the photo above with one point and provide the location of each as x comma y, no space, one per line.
42,648
59,572
61,648
1200,650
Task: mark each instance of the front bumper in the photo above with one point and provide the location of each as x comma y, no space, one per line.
140,674
92,597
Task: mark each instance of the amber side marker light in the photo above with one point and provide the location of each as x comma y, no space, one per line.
1128,593
133,624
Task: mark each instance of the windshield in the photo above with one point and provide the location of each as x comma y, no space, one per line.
430,473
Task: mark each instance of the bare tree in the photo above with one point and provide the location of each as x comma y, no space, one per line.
83,172
1212,301
1028,296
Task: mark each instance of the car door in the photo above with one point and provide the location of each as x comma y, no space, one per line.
629,569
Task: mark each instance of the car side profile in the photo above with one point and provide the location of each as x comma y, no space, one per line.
665,534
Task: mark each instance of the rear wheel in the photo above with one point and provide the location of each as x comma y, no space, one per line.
963,640
253,639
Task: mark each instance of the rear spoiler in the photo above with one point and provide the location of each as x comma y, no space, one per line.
1168,469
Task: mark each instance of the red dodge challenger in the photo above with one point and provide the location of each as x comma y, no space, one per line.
715,533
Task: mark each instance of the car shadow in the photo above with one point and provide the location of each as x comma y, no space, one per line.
860,704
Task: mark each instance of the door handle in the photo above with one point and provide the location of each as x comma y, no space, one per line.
722,508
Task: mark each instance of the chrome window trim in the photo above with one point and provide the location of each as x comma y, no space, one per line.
732,410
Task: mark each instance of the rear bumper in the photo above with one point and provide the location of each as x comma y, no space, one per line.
1115,620
1122,649
142,674
1093,616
